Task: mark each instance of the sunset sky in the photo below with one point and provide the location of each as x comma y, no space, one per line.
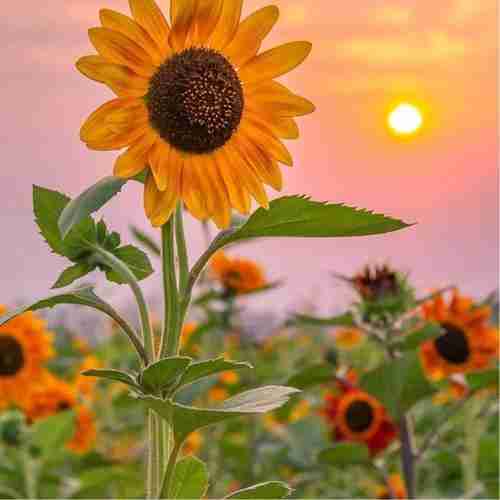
368,55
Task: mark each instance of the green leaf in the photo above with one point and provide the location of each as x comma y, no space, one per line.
88,202
398,384
136,260
164,373
187,419
312,375
50,434
146,240
73,273
202,369
298,216
482,380
345,320
48,206
343,454
263,491
414,339
190,479
115,375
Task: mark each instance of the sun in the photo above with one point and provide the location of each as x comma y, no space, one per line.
405,119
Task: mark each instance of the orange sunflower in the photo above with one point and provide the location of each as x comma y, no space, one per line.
469,343
237,276
394,489
197,105
355,415
25,345
348,339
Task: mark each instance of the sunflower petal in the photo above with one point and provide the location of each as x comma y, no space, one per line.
250,34
275,62
182,13
266,141
228,24
135,159
192,192
151,195
131,29
119,49
159,157
205,20
283,128
150,17
222,209
120,79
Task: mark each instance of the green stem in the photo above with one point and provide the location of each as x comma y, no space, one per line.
473,429
408,454
127,275
30,474
181,250
152,464
167,480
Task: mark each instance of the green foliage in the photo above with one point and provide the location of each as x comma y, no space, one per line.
344,454
114,375
136,260
263,491
190,479
50,434
73,273
413,340
398,384
483,380
310,376
163,373
88,202
345,320
186,419
146,240
298,216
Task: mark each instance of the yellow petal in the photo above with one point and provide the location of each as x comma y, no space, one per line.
275,62
192,192
135,159
238,197
159,158
205,20
120,79
182,13
228,24
123,24
266,141
283,128
151,195
150,17
113,119
118,141
222,209
119,49
250,34
276,98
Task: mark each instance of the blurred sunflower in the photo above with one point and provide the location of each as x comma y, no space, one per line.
187,331
197,105
469,343
355,415
86,385
376,283
193,443
25,345
454,391
85,434
237,276
229,378
394,489
348,339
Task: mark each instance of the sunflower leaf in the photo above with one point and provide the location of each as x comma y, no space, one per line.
306,320
73,273
311,376
136,260
115,375
263,491
89,202
187,419
48,206
414,339
299,216
50,434
190,479
342,454
146,240
164,372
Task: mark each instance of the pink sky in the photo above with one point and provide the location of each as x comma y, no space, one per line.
367,55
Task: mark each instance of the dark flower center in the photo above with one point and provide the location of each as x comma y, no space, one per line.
453,345
11,356
359,416
377,284
195,100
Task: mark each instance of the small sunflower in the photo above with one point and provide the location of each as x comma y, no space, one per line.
348,339
25,346
193,444
376,283
237,276
197,105
355,415
394,489
229,378
217,394
469,343
85,434
86,385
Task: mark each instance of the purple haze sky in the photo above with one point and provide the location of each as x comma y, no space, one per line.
367,55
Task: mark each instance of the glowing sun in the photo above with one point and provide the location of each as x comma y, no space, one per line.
405,119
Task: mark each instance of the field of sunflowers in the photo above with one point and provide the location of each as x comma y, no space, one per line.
67,435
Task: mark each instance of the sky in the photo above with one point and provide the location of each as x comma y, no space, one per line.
368,55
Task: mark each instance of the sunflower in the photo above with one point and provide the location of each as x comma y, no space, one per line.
86,385
469,343
237,276
454,391
376,283
395,488
355,415
85,432
348,339
193,443
229,378
25,345
197,106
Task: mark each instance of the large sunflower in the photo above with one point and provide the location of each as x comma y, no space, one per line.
197,105
25,345
469,343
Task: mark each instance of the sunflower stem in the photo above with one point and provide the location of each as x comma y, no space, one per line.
408,454
181,250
